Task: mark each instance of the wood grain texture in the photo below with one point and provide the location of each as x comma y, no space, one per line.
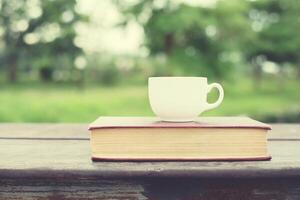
43,131
150,189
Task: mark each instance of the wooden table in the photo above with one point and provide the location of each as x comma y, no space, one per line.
52,161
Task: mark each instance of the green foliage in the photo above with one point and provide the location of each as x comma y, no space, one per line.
195,39
278,30
41,31
201,40
231,37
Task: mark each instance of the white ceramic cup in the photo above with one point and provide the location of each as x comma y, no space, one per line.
181,99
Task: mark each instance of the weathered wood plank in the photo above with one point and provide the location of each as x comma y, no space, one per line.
52,161
43,130
152,189
285,131
75,131
57,189
58,158
55,150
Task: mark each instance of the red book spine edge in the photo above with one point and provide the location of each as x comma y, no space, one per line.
110,127
258,158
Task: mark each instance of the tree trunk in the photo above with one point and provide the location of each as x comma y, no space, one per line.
12,75
298,72
168,43
46,74
80,81
168,46
257,76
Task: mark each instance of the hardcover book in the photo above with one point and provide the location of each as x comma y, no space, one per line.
206,139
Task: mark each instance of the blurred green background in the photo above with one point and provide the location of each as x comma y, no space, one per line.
72,61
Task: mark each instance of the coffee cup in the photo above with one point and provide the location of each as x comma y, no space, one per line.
181,99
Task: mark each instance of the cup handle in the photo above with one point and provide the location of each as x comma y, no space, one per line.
221,95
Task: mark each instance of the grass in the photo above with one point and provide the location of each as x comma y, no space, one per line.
58,103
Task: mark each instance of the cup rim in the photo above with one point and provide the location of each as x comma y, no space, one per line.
177,77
